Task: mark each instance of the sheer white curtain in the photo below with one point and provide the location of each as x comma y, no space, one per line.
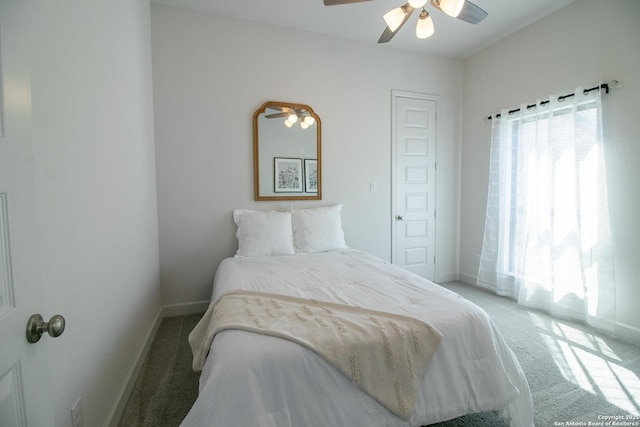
547,240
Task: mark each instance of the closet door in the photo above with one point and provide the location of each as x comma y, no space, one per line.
414,183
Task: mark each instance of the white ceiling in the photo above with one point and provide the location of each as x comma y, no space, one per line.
363,21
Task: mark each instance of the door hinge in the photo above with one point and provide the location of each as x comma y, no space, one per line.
434,260
434,213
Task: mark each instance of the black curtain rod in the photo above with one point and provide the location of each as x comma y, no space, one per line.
604,86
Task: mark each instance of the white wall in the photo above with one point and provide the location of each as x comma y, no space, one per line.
585,43
212,73
93,127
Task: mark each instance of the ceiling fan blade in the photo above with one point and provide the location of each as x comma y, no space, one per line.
338,2
470,12
280,108
276,115
387,34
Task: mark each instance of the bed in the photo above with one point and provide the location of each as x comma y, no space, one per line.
253,379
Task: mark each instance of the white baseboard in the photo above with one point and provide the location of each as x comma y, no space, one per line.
184,309
467,278
447,277
113,419
628,332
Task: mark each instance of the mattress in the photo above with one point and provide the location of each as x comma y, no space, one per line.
251,379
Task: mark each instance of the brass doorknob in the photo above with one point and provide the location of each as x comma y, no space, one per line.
36,326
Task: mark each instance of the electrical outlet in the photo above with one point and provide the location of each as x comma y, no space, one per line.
76,414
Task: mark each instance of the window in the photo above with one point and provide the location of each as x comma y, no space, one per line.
547,237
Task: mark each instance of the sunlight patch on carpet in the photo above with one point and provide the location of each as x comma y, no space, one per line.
590,363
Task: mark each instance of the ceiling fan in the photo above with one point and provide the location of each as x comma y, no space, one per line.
396,18
293,115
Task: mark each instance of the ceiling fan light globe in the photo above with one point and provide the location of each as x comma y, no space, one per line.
425,27
288,123
308,121
417,4
452,7
394,18
293,118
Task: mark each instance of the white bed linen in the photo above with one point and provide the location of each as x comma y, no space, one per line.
255,380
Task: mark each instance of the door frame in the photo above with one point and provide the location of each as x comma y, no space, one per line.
395,94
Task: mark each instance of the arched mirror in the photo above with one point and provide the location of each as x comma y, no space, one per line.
286,152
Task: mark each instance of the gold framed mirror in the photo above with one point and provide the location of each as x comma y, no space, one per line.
287,163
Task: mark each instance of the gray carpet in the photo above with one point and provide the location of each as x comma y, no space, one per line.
167,386
576,376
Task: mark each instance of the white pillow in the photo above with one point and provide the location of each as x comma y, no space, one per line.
263,233
318,229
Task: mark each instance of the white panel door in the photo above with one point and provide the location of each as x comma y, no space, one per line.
414,175
24,385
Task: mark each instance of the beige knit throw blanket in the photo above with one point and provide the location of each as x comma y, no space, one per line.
384,354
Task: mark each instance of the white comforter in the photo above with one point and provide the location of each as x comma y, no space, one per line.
256,380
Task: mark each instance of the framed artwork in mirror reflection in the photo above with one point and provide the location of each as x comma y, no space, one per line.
310,175
287,175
